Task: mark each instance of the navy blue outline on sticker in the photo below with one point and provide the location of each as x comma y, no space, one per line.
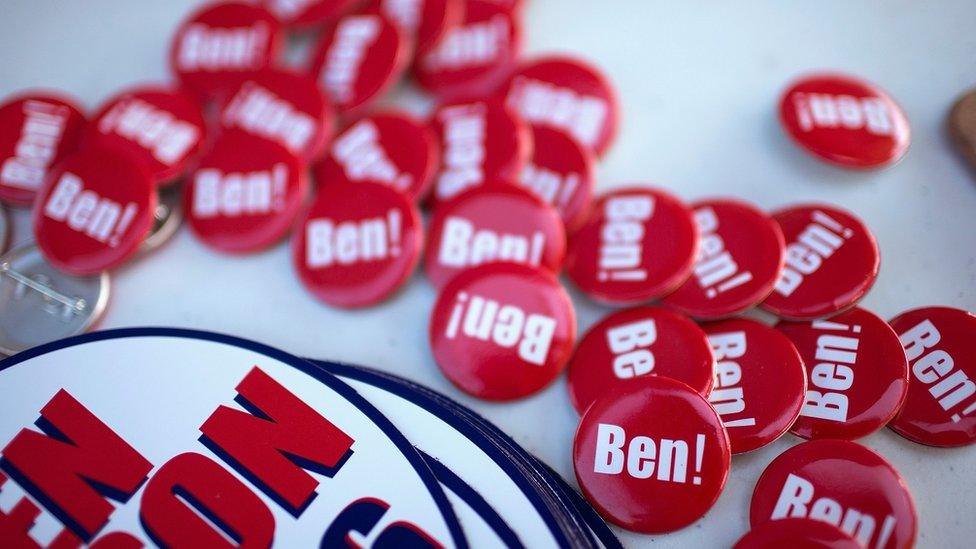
317,373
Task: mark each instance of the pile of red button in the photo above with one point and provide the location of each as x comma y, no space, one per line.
506,163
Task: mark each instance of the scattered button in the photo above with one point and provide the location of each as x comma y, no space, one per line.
634,343
562,172
739,260
502,331
245,194
845,120
167,218
832,260
93,212
357,244
568,94
962,126
940,409
760,382
842,483
638,244
308,13
652,456
37,130
392,148
424,21
493,223
799,533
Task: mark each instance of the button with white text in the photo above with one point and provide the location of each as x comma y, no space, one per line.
940,409
480,141
845,120
37,129
494,223
425,22
652,456
245,194
502,331
283,106
93,212
357,244
739,260
568,94
392,148
634,343
638,244
220,46
797,533
840,482
359,59
308,13
562,172
160,127
832,260
760,383
474,58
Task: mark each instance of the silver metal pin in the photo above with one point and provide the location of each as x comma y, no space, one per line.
74,303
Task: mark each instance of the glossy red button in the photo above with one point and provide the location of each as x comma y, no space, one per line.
502,331
245,194
424,21
739,260
940,409
567,94
283,106
842,483
497,222
845,120
305,13
760,383
562,172
636,343
637,244
475,57
832,260
797,533
37,130
222,45
160,127
392,148
651,456
93,211
359,59
481,141
857,375
357,244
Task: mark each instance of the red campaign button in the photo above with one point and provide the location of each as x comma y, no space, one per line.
497,222
37,130
424,21
567,94
760,383
454,69
222,45
562,172
93,212
651,456
857,374
481,141
797,533
245,194
635,343
392,148
306,13
637,244
359,59
357,244
739,260
940,409
842,483
502,331
160,127
845,120
832,260
283,106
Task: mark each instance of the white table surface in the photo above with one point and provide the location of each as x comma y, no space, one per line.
699,82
